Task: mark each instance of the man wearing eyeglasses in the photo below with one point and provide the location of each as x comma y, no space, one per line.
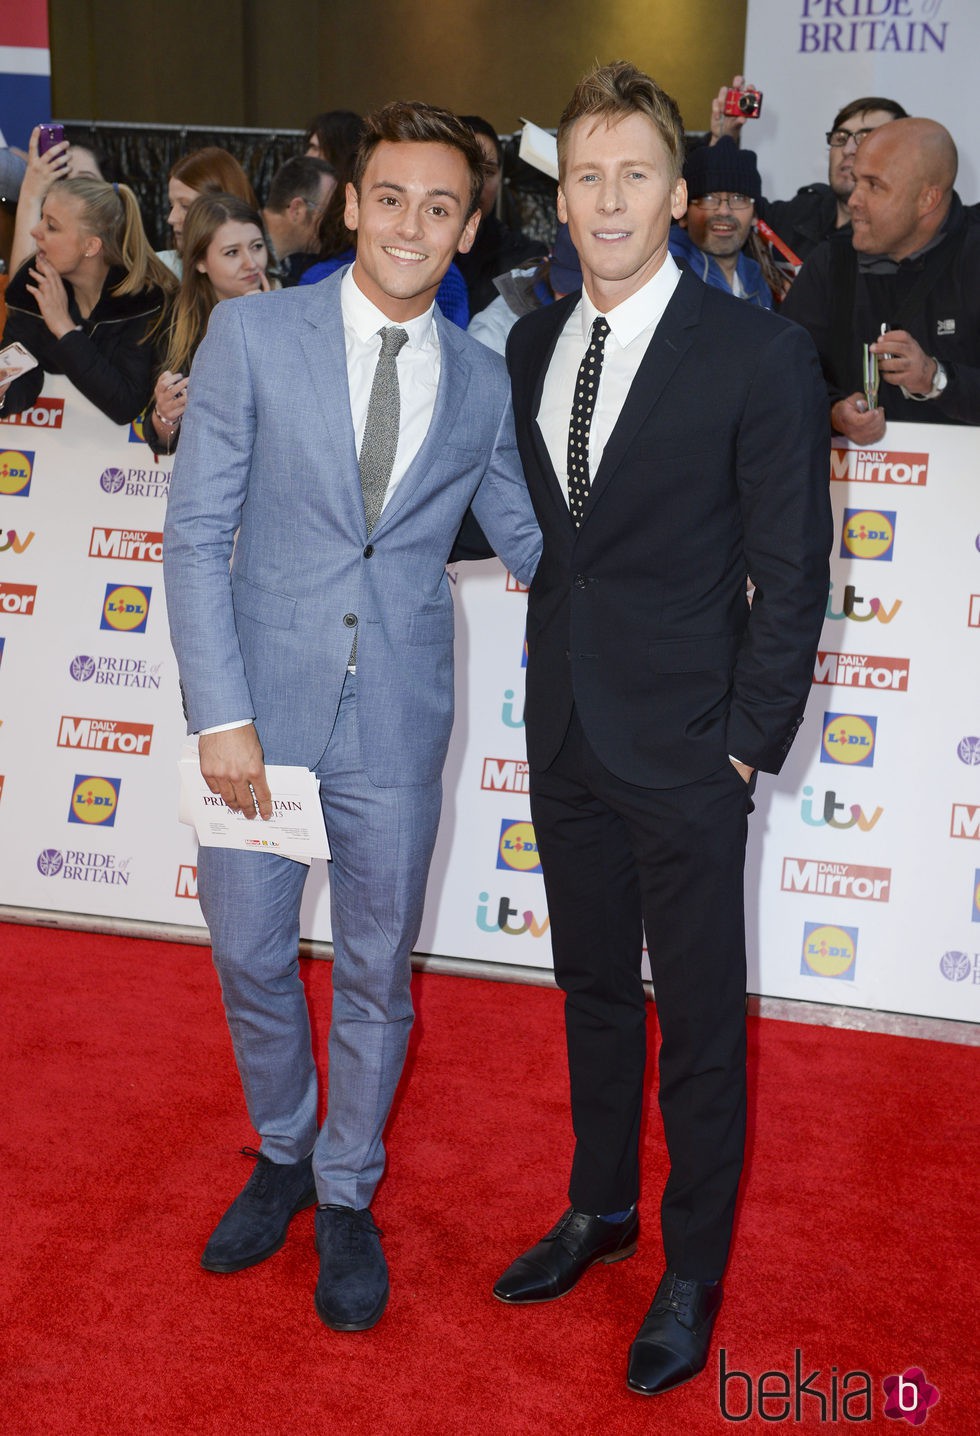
722,187
817,211
298,195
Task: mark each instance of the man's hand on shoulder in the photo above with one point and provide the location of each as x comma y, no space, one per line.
852,418
232,765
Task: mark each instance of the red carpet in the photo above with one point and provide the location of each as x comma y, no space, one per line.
122,1117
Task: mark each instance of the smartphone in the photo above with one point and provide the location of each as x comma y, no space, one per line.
49,135
15,360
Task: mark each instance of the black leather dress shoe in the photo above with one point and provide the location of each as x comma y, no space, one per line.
255,1225
672,1344
552,1267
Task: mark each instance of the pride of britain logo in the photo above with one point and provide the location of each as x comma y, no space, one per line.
968,752
50,862
112,480
955,966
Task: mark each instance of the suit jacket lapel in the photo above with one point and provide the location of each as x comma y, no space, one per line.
539,364
325,348
671,340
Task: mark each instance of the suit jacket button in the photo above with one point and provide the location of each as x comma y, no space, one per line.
350,620
581,581
369,550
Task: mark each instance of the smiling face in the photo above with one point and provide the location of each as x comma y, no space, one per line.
235,259
618,197
181,197
410,219
890,197
60,237
721,231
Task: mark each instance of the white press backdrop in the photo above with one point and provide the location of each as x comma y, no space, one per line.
863,877
811,57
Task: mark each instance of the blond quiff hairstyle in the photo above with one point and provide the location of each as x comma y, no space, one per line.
610,93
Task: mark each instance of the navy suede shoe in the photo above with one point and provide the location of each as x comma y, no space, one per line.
352,1289
255,1225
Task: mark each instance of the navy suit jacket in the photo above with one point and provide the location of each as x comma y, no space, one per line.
717,468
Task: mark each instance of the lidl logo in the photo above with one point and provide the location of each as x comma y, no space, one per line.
517,849
137,430
849,738
126,608
524,651
94,800
829,951
868,533
976,896
16,468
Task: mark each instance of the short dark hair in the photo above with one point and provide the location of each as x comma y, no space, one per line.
412,120
869,102
610,93
480,126
299,177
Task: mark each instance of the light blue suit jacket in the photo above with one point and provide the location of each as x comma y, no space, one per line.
267,453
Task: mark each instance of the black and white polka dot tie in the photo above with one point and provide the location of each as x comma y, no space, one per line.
586,389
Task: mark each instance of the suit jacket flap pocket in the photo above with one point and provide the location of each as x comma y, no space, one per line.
277,610
693,655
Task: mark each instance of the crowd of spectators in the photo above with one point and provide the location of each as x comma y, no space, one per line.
883,254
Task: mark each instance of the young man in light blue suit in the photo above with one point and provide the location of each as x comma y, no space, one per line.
334,439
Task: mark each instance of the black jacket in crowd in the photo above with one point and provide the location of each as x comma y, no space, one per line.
804,221
935,296
107,357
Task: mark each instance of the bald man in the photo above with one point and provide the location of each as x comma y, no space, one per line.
908,279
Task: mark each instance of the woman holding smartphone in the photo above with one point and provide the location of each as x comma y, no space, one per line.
87,301
225,256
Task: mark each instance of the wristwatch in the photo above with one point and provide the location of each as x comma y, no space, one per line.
939,381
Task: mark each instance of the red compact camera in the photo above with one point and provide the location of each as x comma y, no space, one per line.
743,104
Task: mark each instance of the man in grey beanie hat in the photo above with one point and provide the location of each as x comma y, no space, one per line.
723,186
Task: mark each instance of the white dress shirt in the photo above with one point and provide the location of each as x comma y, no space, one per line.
418,380
631,324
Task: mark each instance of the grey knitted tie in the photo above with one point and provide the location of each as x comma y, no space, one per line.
586,389
380,442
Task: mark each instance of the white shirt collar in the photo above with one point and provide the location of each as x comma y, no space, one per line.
629,319
366,319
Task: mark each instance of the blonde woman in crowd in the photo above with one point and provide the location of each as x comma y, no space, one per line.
86,302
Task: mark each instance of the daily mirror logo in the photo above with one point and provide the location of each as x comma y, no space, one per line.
142,545
873,466
105,735
43,414
861,670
